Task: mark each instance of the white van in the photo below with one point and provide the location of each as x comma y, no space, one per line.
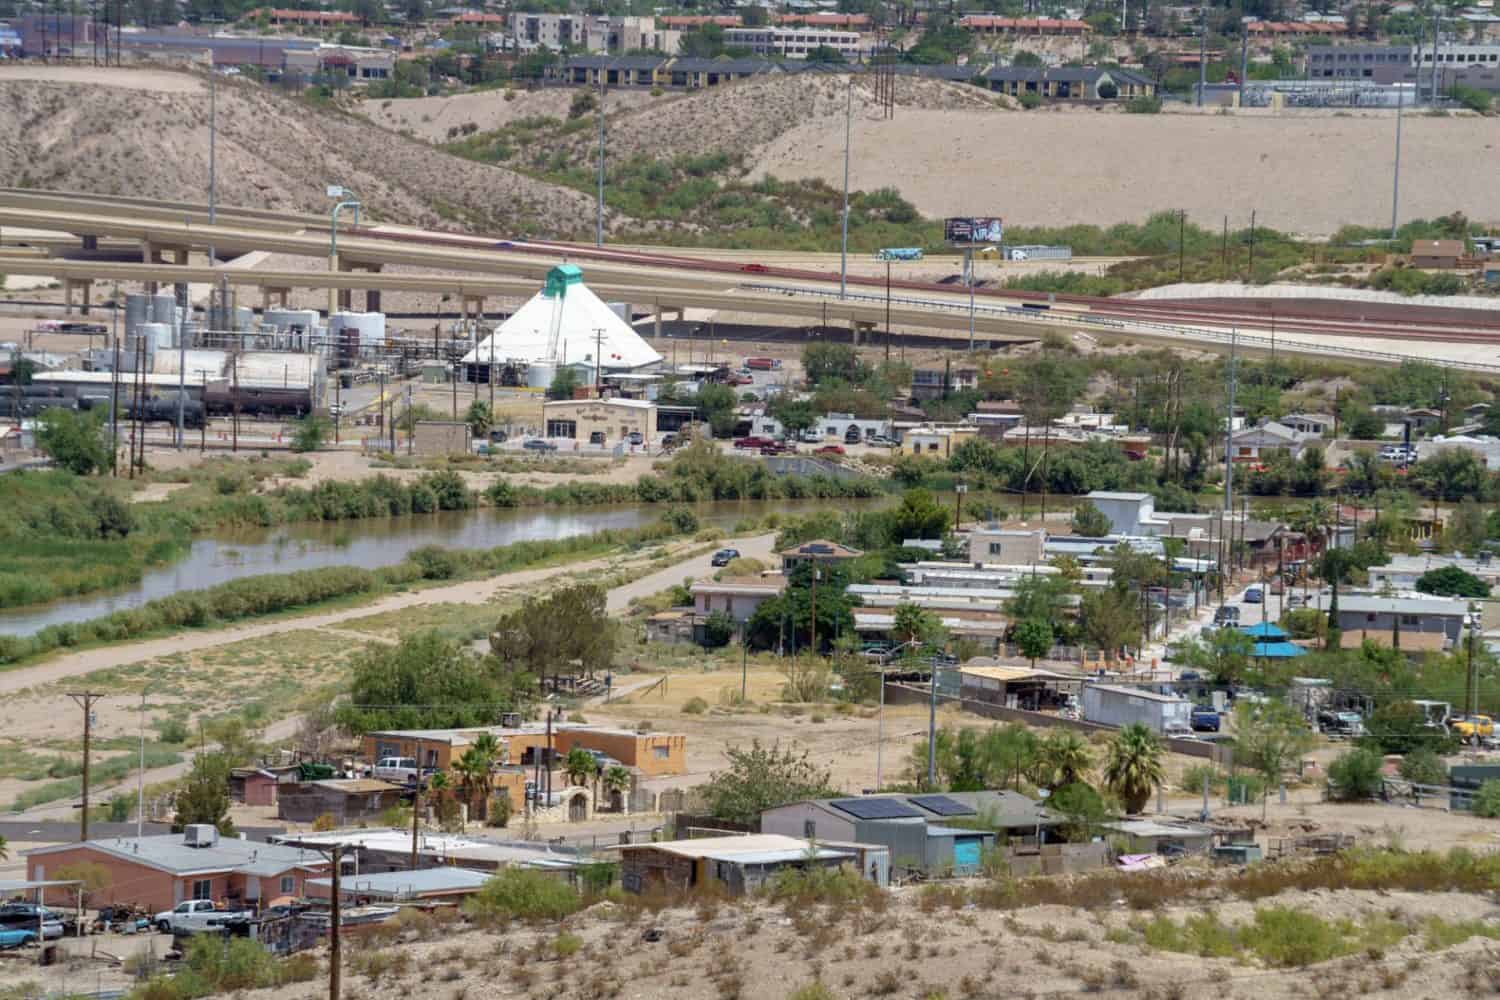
400,770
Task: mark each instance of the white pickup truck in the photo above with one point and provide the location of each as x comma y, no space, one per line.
194,916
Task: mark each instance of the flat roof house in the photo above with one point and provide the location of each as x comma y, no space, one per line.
817,551
425,884
1444,615
740,864
1252,443
912,831
650,753
161,871
736,596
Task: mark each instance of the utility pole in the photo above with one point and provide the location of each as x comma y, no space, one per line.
1228,449
888,310
969,260
814,643
599,204
1181,237
416,807
1202,52
85,700
335,952
1244,61
848,132
1251,275
114,389
1396,171
599,360
931,725
140,774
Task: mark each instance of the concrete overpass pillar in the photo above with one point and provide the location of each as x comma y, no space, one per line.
87,288
372,300
150,254
333,296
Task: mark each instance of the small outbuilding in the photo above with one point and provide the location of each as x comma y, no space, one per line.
425,884
1438,254
347,800
740,864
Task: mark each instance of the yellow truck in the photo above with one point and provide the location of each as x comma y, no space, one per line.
1472,728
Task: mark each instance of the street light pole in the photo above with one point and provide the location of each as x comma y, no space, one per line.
848,131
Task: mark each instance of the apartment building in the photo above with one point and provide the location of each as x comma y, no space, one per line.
793,43
595,34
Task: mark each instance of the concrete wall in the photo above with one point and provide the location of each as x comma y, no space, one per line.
441,437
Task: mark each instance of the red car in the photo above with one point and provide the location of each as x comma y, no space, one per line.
738,379
754,442
829,449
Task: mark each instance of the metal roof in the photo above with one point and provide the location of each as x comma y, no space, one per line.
408,885
171,853
1132,692
730,848
1404,605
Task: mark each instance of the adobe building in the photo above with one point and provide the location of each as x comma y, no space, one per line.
652,754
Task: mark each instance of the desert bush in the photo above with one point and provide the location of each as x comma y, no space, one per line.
1487,800
519,894
1355,774
694,706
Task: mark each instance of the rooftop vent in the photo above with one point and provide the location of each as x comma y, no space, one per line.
200,835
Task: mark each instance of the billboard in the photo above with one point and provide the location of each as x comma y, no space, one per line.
967,231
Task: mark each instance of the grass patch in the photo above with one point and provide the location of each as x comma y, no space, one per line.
1278,936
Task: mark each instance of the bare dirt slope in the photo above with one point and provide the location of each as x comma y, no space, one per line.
145,134
1301,174
741,118
430,118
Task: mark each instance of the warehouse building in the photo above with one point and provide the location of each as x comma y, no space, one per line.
601,422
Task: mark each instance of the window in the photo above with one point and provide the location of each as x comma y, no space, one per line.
810,828
202,889
995,548
1370,617
661,753
1411,620
288,885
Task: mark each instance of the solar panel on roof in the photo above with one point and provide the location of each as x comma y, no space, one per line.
942,805
877,808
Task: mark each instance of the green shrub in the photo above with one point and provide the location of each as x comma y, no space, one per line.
520,894
1355,774
566,945
694,706
1143,105
1029,101
1424,767
1487,800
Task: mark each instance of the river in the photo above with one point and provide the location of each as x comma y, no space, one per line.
372,543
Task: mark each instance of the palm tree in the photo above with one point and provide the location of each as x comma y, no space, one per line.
1132,766
485,750
440,785
617,779
1062,758
579,765
4,850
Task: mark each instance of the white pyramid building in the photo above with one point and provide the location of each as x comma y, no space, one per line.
565,324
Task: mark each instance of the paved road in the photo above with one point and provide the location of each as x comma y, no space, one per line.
755,547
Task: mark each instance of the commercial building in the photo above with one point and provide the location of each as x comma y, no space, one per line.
740,864
1393,63
1068,83
989,24
937,442
360,65
52,35
794,43
600,421
161,871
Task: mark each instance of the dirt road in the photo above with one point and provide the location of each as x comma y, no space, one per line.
759,547
468,592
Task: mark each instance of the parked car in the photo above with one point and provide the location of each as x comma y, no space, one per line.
753,442
1205,719
1295,601
194,916
398,770
1226,615
881,441
1349,724
811,435
635,438
1397,453
738,379
852,436
603,761
724,557
30,916
829,449
537,444
16,938
1254,595
668,441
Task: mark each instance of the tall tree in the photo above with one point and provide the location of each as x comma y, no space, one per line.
1133,765
1270,738
204,795
760,778
74,439
567,632
427,681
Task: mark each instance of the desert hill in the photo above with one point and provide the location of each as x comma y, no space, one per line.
144,133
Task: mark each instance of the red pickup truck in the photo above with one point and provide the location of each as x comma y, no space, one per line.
754,442
762,364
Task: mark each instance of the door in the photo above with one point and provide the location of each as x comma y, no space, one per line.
966,854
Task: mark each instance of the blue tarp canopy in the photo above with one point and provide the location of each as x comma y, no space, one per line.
1278,650
1264,631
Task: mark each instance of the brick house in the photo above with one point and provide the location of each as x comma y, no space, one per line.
161,871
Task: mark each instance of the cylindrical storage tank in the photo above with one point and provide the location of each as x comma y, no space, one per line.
137,311
244,318
163,308
371,327
191,329
539,374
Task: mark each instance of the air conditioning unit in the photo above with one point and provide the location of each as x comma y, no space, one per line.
511,720
201,834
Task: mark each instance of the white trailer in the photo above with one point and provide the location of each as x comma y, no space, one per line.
1119,705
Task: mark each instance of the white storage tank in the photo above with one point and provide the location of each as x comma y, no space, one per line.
164,308
539,374
370,327
158,336
137,311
